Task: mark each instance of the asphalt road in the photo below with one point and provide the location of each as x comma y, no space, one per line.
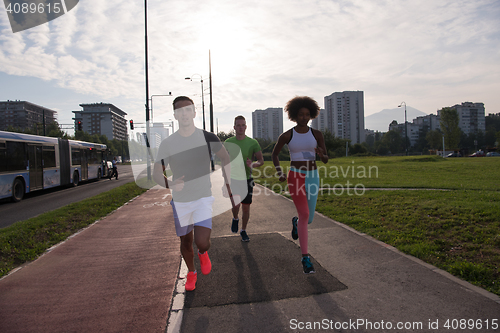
39,202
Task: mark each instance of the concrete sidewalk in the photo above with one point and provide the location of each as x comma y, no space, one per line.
114,276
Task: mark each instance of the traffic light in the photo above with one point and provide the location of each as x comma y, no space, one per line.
131,124
79,125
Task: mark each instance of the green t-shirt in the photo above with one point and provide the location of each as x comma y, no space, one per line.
248,147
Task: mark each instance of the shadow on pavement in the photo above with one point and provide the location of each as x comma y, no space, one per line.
267,268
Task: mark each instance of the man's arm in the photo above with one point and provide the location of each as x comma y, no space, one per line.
224,157
260,160
158,175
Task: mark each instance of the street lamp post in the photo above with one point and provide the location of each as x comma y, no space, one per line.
406,128
202,99
151,99
147,84
211,104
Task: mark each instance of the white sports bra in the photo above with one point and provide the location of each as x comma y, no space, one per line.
302,145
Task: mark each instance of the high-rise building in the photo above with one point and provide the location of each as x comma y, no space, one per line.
158,134
345,115
321,121
471,117
102,119
412,128
24,115
431,121
268,123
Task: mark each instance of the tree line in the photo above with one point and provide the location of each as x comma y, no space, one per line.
392,142
454,138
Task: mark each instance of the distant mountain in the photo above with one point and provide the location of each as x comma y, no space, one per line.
380,121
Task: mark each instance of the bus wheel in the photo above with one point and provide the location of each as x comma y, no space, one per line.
75,178
17,190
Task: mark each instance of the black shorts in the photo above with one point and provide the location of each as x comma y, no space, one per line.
250,184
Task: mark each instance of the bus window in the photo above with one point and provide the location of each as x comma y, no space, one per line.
99,157
75,157
3,156
93,157
49,156
12,158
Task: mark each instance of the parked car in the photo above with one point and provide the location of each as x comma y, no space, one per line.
493,153
454,154
479,153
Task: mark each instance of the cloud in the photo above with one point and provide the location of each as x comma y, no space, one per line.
428,53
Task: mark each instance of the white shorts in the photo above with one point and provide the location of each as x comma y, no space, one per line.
187,215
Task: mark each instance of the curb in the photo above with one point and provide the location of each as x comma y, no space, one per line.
174,320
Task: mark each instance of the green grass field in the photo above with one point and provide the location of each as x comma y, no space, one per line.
455,225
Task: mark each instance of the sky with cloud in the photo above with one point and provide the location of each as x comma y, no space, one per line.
429,53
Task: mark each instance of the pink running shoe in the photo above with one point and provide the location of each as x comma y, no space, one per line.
191,281
205,263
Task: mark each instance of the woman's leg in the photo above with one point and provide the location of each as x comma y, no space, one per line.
296,187
312,189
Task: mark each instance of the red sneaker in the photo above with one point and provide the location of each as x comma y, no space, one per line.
191,281
205,263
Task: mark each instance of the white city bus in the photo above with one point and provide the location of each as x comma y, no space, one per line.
32,162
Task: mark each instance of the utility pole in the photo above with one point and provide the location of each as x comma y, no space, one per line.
147,85
211,104
210,82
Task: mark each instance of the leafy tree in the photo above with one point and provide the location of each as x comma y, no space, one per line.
393,141
422,143
334,145
473,141
434,138
449,126
492,123
53,130
381,148
84,136
223,136
358,149
264,142
370,141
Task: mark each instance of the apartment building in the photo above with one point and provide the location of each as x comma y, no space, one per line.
431,121
268,123
321,121
345,115
471,117
24,115
102,119
412,128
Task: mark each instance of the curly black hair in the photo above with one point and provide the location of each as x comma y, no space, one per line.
293,106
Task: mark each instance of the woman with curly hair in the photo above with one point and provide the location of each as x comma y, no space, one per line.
303,179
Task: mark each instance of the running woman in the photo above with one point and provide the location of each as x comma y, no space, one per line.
303,179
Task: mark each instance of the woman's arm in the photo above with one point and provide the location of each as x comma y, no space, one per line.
321,148
282,140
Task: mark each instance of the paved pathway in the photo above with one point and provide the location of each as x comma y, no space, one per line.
117,275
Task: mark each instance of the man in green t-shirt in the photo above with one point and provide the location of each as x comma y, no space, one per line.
250,150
